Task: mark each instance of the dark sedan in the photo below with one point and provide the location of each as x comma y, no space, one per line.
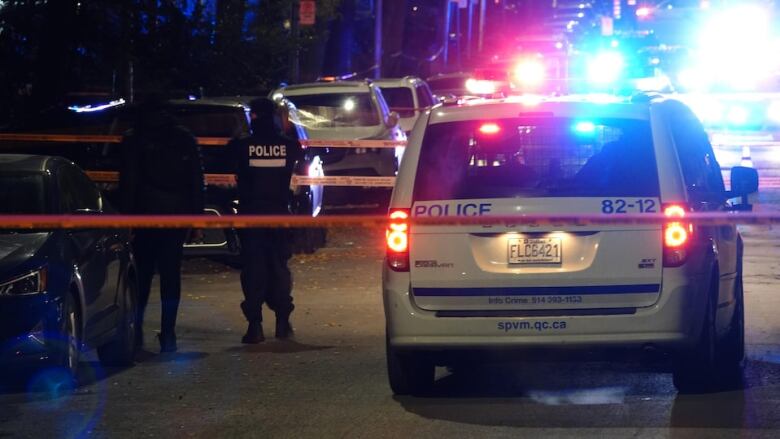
62,290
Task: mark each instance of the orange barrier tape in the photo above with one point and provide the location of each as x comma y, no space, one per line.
60,138
409,108
312,143
228,180
101,221
103,176
343,180
91,138
203,141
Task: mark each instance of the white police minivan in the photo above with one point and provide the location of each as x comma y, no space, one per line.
674,287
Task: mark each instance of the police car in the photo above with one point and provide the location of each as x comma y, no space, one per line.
408,96
674,287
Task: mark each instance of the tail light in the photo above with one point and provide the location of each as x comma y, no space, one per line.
677,233
397,237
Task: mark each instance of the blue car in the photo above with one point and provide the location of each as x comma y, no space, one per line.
62,291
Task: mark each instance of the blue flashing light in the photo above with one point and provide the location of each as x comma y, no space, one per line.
585,127
92,109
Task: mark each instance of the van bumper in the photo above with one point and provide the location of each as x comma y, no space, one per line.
672,323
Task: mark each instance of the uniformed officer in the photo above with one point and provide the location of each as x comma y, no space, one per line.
264,165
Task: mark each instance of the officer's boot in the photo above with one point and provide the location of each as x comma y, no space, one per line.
283,327
254,332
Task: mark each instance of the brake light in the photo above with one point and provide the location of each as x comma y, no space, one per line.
489,128
676,235
397,236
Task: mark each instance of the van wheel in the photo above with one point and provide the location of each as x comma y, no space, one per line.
120,351
713,364
410,373
732,361
695,370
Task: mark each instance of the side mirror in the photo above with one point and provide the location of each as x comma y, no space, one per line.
744,181
392,119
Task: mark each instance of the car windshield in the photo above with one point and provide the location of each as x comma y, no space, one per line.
400,100
22,193
331,110
542,157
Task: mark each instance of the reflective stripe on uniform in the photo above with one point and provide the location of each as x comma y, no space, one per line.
267,163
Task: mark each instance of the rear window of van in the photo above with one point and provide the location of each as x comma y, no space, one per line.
539,157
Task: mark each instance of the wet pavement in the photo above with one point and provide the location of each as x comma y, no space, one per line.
331,381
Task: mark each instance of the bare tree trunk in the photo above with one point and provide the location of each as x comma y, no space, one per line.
124,59
230,23
393,23
55,55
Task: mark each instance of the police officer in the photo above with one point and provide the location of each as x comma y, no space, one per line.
264,164
161,173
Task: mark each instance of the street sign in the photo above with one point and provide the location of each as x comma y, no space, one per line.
307,13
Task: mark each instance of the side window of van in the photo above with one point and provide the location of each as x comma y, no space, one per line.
701,170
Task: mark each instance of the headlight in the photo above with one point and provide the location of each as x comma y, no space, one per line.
31,283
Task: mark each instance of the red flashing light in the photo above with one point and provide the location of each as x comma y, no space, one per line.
644,12
530,72
489,128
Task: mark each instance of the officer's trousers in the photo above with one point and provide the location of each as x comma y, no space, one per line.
161,250
265,277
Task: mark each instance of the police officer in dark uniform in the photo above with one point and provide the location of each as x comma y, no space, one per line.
264,164
161,173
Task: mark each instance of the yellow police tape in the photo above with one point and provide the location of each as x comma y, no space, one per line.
106,221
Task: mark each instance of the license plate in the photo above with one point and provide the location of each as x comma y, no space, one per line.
534,250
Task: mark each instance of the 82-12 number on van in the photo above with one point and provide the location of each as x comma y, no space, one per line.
623,206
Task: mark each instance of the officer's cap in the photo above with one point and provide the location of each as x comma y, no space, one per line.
262,107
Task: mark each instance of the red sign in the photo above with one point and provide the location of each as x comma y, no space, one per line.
307,13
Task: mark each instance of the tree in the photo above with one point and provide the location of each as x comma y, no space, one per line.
121,46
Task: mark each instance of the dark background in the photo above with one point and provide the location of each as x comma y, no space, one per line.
54,50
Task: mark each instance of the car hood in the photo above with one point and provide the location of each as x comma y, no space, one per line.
16,248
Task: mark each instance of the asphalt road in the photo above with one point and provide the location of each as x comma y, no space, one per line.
331,381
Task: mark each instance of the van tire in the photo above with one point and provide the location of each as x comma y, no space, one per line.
410,373
732,361
713,364
695,369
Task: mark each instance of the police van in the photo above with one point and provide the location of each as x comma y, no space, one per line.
466,288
